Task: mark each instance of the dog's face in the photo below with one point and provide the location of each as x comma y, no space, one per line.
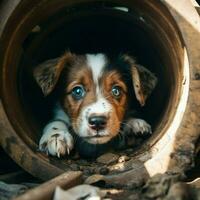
95,91
95,99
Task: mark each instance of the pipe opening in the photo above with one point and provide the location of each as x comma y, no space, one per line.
138,29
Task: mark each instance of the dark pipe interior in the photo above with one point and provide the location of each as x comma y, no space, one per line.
88,31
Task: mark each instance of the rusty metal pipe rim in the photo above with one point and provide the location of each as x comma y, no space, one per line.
19,17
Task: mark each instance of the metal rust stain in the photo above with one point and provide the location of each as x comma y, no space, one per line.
10,141
20,152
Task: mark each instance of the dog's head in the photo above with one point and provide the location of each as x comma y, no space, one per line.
95,90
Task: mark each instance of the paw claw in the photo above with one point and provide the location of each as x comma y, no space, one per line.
56,142
137,126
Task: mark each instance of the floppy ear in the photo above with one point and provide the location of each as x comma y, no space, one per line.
48,73
144,81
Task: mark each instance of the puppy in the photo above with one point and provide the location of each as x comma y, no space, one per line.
96,95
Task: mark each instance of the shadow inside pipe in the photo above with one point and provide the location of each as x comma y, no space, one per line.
90,32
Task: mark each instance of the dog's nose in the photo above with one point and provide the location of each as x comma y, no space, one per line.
97,122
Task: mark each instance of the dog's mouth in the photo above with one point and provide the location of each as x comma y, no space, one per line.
97,139
95,136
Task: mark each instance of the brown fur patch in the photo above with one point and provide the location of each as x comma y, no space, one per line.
80,74
108,80
143,80
48,73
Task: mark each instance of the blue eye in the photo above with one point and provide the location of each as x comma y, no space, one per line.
78,92
116,91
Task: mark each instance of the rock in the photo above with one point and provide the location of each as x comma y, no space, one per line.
107,158
179,191
128,179
75,167
158,185
92,170
134,184
104,170
83,162
125,166
123,158
94,179
87,171
134,197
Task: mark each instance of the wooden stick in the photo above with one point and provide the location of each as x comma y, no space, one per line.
46,190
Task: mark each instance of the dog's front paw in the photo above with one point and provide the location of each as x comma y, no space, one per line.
137,126
56,139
